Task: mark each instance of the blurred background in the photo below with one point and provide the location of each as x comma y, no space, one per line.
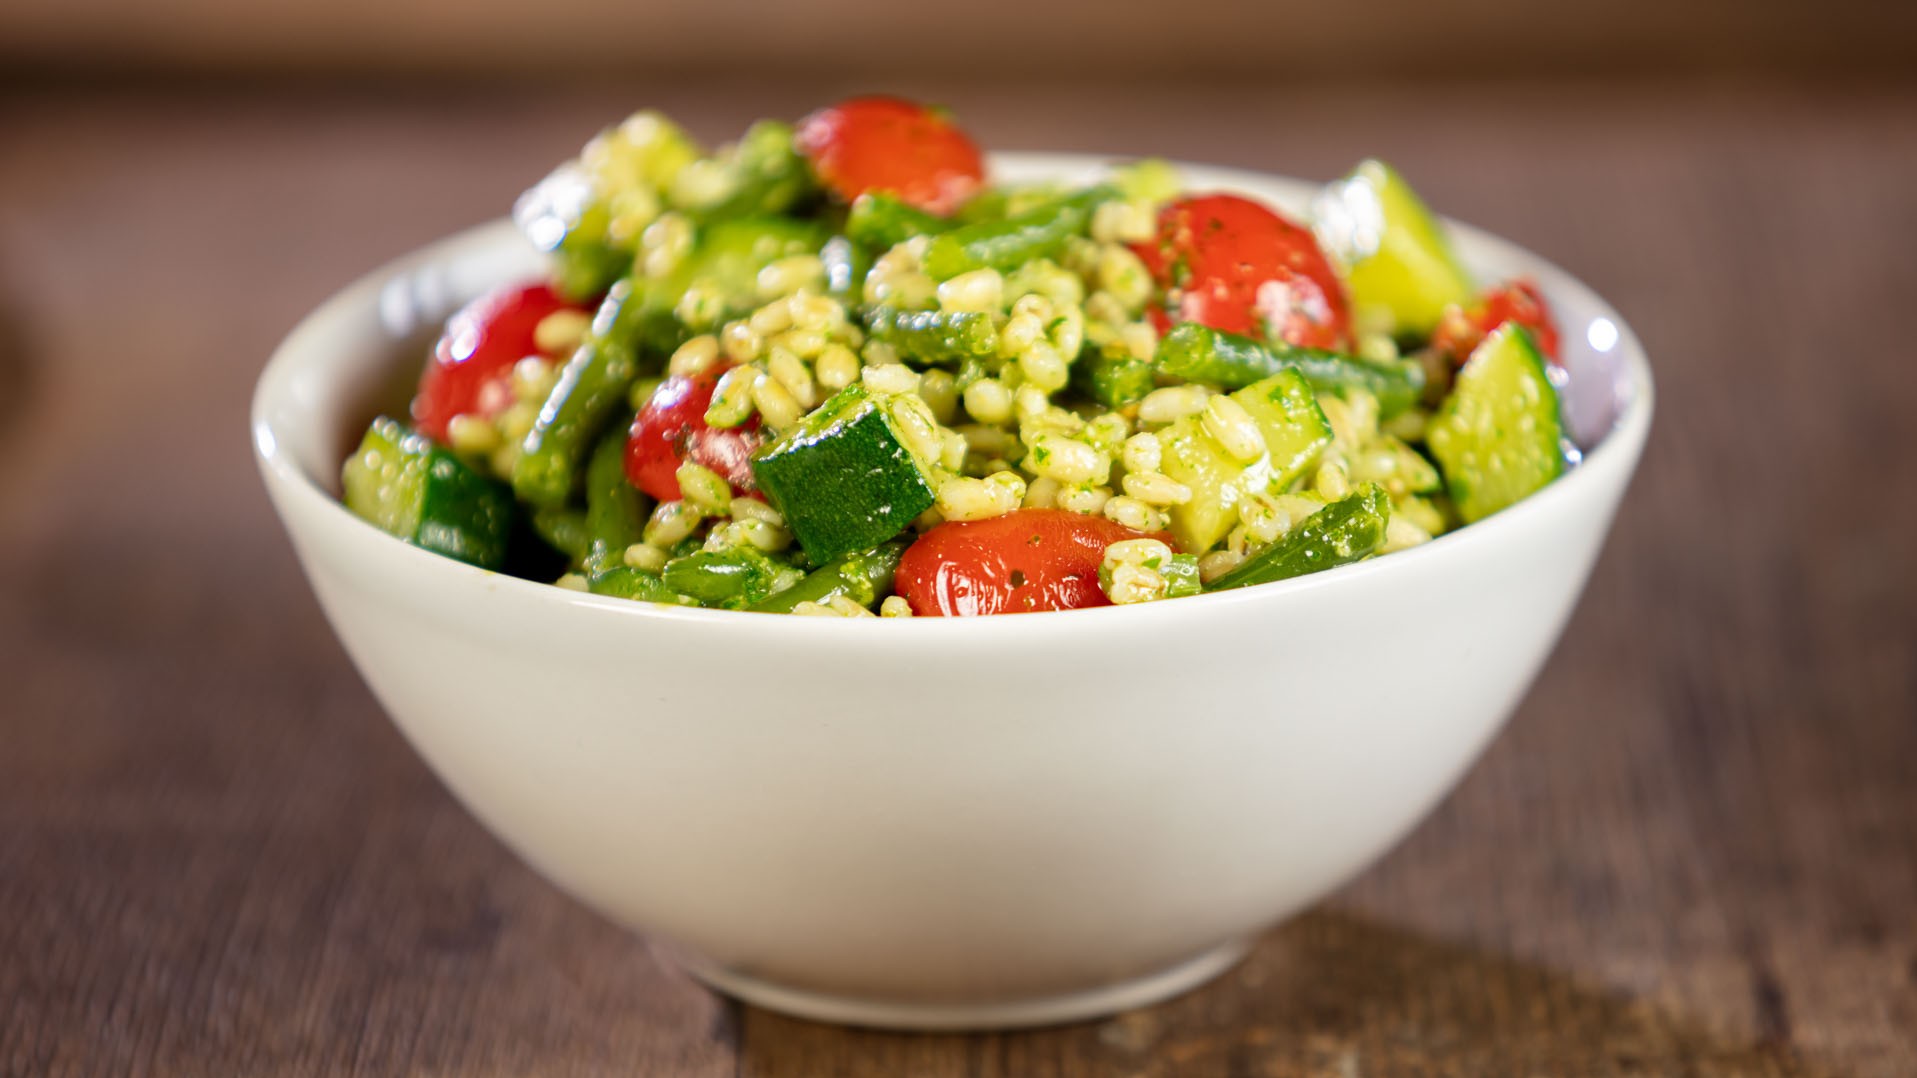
217,857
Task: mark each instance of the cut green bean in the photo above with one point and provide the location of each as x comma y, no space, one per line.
564,529
1199,353
735,578
625,582
615,509
862,577
590,388
879,220
1005,245
1339,534
934,337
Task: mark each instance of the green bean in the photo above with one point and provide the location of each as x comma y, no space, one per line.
591,386
1005,245
1342,532
564,529
625,582
845,264
734,578
935,336
862,577
1198,353
762,174
615,509
1114,379
879,220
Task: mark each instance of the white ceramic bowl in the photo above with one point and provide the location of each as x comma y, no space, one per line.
944,823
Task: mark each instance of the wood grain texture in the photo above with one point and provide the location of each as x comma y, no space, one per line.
1694,851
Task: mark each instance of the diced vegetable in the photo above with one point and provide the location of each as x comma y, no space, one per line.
1343,532
1499,436
864,577
1008,244
412,489
1201,354
935,337
845,478
1397,256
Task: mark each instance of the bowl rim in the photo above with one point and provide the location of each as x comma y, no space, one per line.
1616,449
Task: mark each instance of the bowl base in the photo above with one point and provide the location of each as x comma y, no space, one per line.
1080,1006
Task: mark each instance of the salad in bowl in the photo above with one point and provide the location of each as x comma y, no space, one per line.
839,368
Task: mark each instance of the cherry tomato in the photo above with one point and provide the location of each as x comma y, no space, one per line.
889,144
1026,560
1234,265
1460,329
671,430
471,365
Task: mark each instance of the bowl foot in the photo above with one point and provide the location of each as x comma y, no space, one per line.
947,1017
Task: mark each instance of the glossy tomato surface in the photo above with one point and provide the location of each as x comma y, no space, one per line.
1232,264
890,144
671,430
471,365
1024,561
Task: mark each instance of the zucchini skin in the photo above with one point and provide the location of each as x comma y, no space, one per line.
1199,353
1343,532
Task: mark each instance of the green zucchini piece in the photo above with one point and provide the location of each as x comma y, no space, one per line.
1395,252
935,337
1499,437
864,576
1218,483
420,492
1008,244
1199,353
1343,532
843,477
1295,433
1295,429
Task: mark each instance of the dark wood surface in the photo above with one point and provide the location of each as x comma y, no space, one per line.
1693,852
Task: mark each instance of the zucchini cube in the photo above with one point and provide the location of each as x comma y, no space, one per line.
844,477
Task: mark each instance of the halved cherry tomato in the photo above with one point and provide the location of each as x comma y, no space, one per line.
890,144
671,430
1461,328
471,366
1026,560
1232,264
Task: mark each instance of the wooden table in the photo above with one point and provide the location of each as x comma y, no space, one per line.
1693,852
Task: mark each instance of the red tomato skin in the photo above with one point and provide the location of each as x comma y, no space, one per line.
474,356
879,143
671,430
1233,264
1025,561
1460,330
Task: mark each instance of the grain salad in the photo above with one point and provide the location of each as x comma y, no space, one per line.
833,369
